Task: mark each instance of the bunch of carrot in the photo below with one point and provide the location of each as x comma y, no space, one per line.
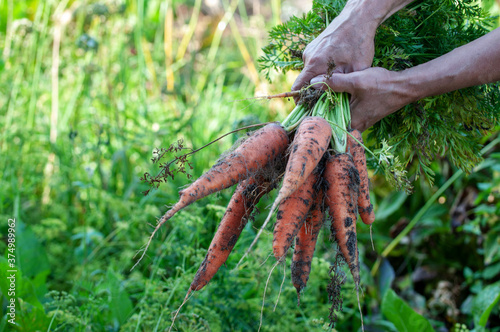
322,167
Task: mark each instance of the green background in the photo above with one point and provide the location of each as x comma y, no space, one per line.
88,89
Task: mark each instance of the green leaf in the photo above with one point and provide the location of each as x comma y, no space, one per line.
484,302
120,304
402,315
491,248
387,276
390,204
31,318
491,271
30,290
31,256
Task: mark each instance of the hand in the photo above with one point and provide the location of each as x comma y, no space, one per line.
348,40
375,93
349,45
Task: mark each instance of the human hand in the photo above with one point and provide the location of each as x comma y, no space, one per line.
346,41
375,93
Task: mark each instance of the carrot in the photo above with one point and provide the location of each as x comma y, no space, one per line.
291,215
341,198
287,94
365,207
305,244
309,145
240,207
255,153
259,150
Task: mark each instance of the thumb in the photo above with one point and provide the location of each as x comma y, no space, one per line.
302,80
304,77
337,82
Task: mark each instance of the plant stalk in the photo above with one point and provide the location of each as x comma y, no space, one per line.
424,209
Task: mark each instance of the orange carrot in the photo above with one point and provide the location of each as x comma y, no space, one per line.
263,148
309,145
287,94
341,198
291,215
306,243
255,153
242,203
365,207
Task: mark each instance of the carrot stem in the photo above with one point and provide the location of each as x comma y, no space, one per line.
288,94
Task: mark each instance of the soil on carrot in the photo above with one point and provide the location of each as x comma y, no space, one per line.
330,69
352,244
298,271
354,180
272,172
309,97
334,288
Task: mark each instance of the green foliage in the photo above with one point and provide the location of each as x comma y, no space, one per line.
452,124
484,303
402,315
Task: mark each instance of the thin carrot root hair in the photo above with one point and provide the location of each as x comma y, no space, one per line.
265,290
371,237
186,298
359,307
281,286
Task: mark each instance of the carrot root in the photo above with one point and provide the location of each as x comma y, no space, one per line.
343,180
365,208
258,151
305,245
308,147
291,216
238,212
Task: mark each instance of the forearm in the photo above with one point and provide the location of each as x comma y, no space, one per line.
372,13
473,64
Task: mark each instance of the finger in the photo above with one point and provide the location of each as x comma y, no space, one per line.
299,83
303,79
337,82
342,68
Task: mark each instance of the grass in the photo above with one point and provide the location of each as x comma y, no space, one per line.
88,90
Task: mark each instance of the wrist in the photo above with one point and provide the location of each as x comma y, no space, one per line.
363,15
404,89
374,13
